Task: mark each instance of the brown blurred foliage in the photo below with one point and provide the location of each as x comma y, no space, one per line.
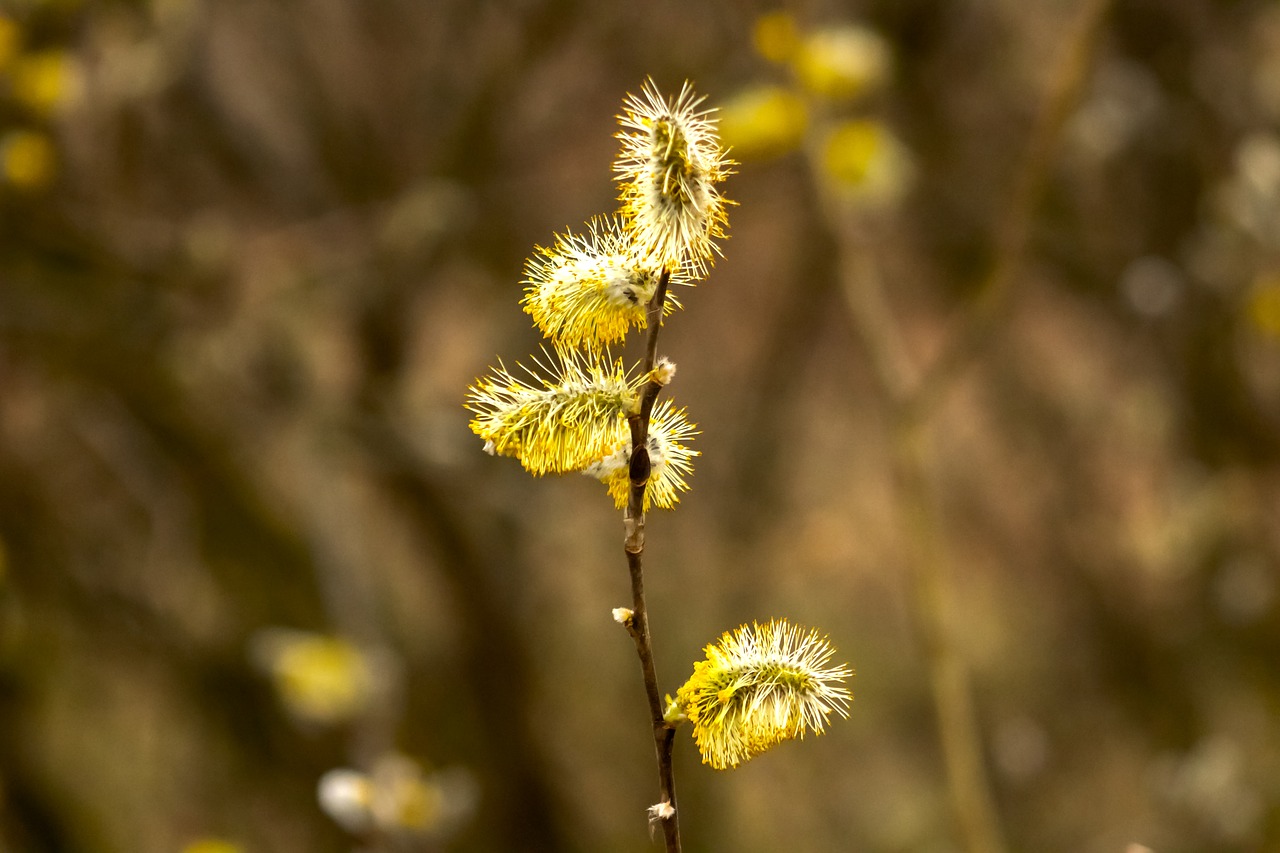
258,249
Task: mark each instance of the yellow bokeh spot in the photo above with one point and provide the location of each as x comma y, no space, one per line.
212,845
863,163
842,62
850,151
27,159
47,80
10,39
324,679
775,36
763,121
1264,308
417,804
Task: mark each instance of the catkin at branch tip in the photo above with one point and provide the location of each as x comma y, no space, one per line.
669,166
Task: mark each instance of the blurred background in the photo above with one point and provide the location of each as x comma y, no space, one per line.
252,253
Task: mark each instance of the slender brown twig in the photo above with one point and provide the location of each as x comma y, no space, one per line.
634,518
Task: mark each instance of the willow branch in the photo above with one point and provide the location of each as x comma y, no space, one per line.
634,518
863,288
1014,231
972,800
913,399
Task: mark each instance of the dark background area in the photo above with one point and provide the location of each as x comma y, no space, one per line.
253,252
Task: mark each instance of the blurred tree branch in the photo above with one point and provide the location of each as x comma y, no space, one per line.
913,395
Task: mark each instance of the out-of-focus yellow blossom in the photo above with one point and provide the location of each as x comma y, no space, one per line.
864,164
47,81
1264,307
10,39
57,5
320,678
212,845
850,151
763,121
842,62
776,36
759,686
397,796
27,159
347,797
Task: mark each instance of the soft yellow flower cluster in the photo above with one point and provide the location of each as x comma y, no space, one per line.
833,74
1264,306
212,845
36,86
320,679
589,289
760,686
397,798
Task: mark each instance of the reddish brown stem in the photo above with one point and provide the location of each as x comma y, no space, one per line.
634,518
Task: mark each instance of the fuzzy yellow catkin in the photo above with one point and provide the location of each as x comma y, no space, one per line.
588,290
669,166
575,409
670,460
759,686
555,423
